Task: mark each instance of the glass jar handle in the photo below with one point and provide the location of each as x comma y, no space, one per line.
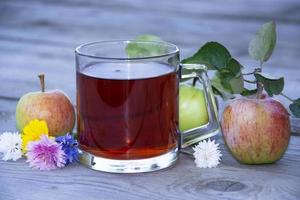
198,72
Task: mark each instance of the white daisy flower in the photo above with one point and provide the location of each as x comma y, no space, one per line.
10,146
207,154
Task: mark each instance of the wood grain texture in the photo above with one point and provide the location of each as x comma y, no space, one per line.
230,180
40,36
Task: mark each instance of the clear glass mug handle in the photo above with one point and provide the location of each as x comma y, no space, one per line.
199,73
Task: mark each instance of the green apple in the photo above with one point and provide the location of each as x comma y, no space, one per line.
192,108
52,106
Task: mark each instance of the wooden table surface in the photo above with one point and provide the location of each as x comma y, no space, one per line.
40,36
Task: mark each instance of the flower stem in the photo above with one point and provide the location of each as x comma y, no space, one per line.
42,82
290,99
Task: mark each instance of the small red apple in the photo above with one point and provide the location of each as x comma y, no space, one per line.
256,131
53,106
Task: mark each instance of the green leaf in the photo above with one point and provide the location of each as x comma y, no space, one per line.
271,85
139,49
212,54
217,92
148,37
262,45
247,92
218,88
231,84
295,108
228,82
234,66
231,77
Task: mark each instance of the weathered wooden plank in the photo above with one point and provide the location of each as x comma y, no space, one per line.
49,28
210,9
183,181
7,115
285,53
83,26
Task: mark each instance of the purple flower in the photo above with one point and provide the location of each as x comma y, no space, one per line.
45,154
69,146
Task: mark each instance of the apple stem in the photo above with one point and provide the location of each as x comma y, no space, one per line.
259,85
42,82
259,90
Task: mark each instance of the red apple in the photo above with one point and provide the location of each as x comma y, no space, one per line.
256,131
53,106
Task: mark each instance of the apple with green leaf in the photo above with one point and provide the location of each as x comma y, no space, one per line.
256,128
53,106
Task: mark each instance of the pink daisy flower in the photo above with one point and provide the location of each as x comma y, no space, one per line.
45,154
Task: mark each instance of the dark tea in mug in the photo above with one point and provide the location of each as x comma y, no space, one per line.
127,105
127,110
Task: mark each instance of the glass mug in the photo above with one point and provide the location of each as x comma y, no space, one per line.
127,107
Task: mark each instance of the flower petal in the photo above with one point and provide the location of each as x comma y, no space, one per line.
207,154
32,132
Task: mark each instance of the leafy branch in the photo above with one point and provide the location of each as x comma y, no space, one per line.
260,48
228,78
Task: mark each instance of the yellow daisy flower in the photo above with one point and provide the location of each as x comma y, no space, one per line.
32,132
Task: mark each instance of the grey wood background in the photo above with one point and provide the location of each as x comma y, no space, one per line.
40,36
